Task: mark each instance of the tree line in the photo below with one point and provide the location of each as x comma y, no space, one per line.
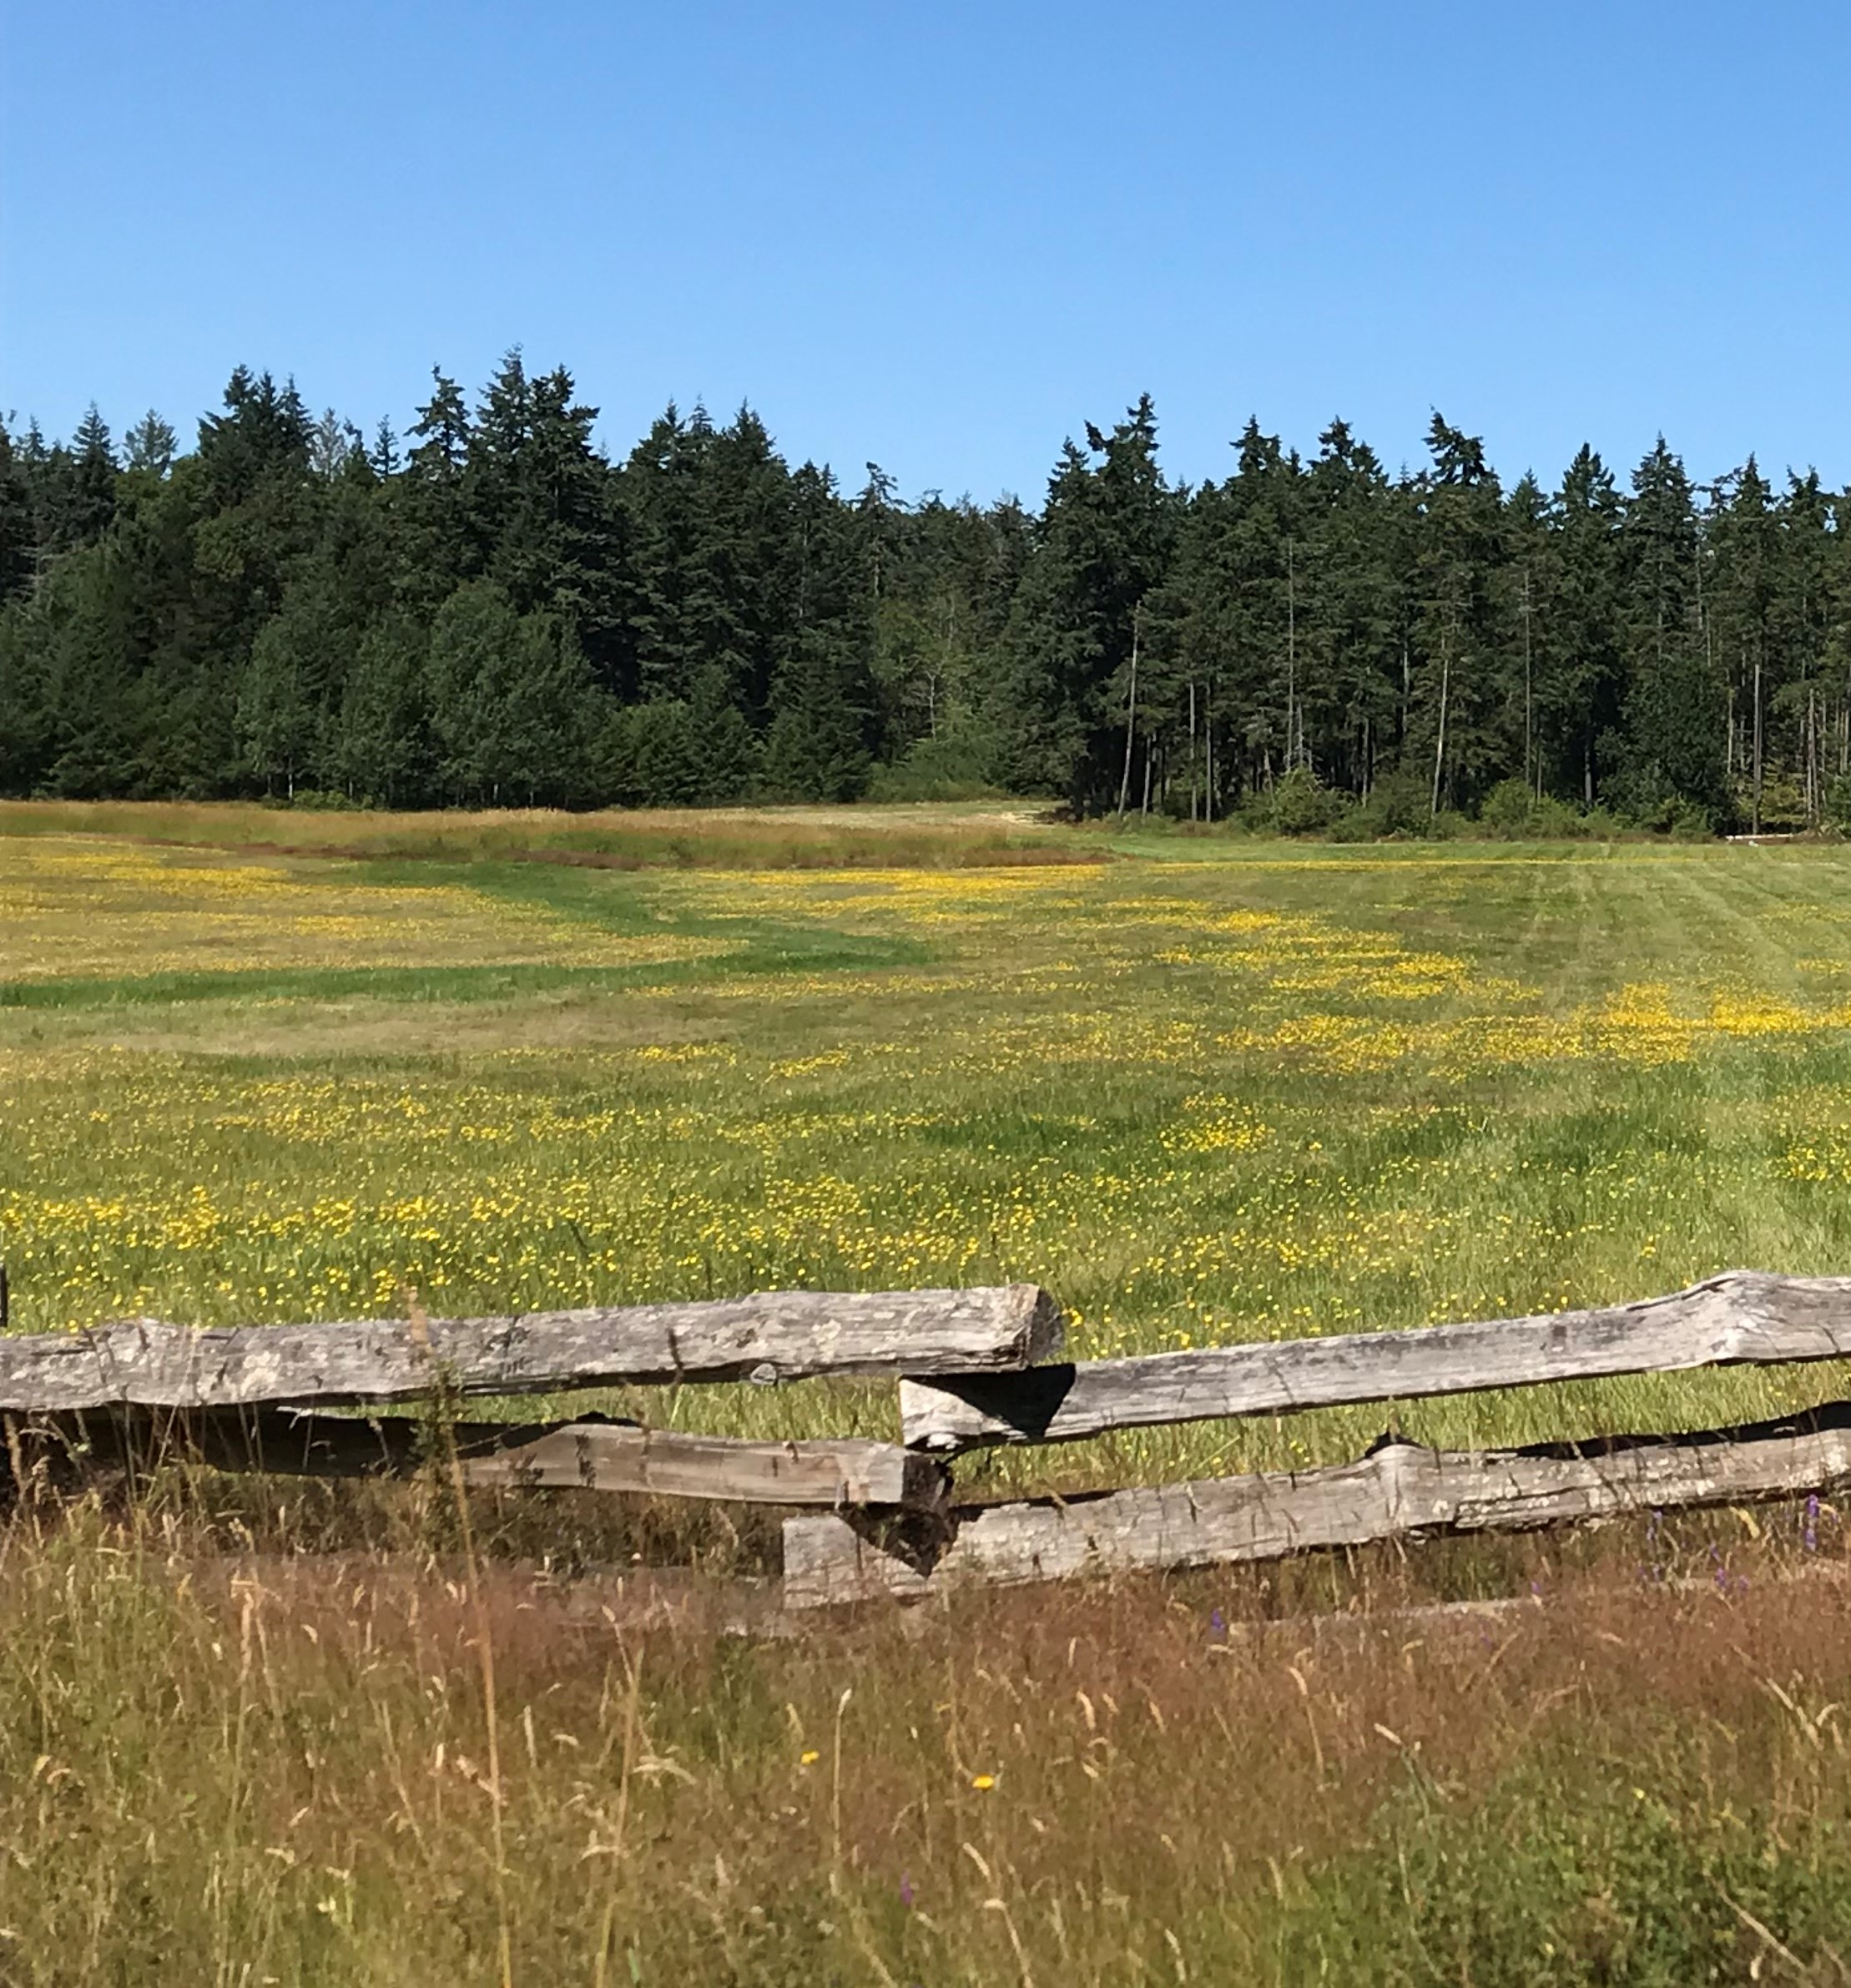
489,610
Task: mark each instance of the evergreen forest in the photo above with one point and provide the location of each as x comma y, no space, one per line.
489,610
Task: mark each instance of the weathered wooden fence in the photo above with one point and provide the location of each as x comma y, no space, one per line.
974,1368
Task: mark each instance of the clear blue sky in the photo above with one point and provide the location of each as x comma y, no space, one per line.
944,235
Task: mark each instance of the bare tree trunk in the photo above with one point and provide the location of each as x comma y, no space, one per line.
1192,751
1131,716
1531,772
1208,742
1291,657
1755,820
1440,743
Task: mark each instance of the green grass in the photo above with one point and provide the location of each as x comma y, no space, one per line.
1210,1090
1265,1092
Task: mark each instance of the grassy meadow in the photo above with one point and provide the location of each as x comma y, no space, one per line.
260,1064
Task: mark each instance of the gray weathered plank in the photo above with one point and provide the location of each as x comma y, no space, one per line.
602,1456
594,1456
773,1335
1743,1316
1399,1489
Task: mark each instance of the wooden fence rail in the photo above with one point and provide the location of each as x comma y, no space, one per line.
968,1363
593,1454
1741,1317
771,1336
1398,1490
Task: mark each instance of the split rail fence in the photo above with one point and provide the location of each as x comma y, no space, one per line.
976,1369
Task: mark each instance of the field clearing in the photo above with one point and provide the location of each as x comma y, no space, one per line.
1208,1090
1205,1092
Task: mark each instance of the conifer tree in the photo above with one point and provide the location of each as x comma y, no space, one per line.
282,695
380,749
1101,549
1459,553
499,614
1575,627
1669,750
150,446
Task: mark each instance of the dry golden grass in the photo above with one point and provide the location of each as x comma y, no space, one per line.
270,1764
961,835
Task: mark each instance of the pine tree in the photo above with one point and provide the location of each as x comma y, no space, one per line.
85,502
442,432
1800,629
1237,628
1575,628
262,438
1459,556
383,454
817,749
1670,751
1348,623
511,702
1101,549
380,751
282,697
18,527
825,725
675,753
149,448
25,716
79,620
440,547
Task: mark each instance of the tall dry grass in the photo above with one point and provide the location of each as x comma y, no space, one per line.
926,836
264,1764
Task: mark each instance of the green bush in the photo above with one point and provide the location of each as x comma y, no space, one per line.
954,765
1301,804
1837,808
1554,821
1352,825
1554,1882
1665,813
671,753
1399,804
1509,809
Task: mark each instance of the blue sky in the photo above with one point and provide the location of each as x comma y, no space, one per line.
945,236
